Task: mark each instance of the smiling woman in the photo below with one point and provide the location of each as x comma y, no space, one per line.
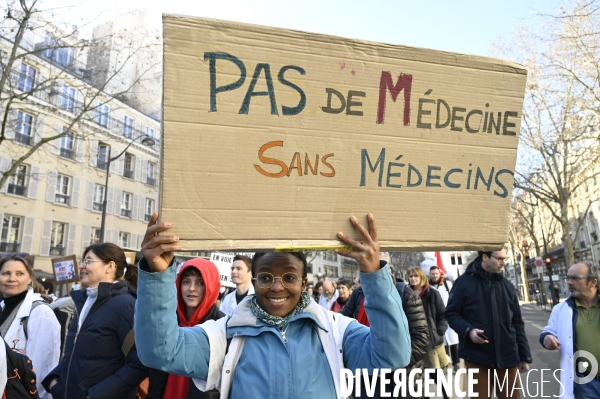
39,338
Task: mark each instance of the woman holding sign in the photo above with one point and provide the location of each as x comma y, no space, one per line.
27,323
280,343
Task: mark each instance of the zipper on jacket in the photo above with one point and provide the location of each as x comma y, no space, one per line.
70,360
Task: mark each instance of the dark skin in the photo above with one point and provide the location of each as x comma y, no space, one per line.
159,251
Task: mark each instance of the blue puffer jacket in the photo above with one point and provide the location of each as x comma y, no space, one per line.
488,301
270,366
94,365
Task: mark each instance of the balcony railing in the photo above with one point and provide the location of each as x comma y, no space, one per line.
57,250
128,173
66,153
71,65
23,138
62,199
147,217
151,181
126,213
98,206
10,247
16,189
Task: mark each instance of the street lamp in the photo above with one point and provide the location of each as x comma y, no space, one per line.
147,141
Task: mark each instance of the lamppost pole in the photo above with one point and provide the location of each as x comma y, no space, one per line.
147,141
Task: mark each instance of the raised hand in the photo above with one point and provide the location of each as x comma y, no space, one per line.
366,253
159,250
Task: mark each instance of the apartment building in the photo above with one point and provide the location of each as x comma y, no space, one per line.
52,205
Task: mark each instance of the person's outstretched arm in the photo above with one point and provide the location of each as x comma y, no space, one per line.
160,342
386,344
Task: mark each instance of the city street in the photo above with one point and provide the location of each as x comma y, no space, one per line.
535,319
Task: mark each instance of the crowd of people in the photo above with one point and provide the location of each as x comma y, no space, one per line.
155,330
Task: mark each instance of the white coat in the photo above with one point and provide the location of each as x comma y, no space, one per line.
560,325
228,304
42,344
450,337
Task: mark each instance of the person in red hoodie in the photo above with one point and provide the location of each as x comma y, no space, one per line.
198,287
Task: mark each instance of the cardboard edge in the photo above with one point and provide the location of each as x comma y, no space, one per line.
432,55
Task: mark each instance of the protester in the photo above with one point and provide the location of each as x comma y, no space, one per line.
417,325
439,282
484,310
573,326
94,365
329,295
344,289
436,357
27,323
198,286
282,344
241,276
49,289
17,378
318,291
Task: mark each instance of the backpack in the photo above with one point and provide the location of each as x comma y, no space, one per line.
21,377
141,391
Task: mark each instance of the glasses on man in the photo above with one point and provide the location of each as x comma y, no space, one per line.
266,280
499,259
574,278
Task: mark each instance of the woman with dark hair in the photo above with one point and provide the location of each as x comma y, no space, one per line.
317,291
279,343
27,323
198,285
94,363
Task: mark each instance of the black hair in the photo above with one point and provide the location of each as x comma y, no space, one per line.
299,255
345,282
49,286
486,253
434,267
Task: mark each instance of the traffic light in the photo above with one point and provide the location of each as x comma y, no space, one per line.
459,258
548,261
452,259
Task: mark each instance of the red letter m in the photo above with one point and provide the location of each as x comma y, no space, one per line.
404,83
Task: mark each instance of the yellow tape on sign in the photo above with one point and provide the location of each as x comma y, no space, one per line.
316,248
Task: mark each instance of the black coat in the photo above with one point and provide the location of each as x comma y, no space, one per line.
158,378
413,309
487,301
436,321
94,365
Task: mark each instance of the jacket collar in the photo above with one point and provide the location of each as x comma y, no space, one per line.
476,269
243,317
105,290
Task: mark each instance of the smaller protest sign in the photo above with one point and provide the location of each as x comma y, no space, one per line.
65,269
223,261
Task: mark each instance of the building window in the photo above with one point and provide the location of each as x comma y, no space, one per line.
149,209
128,164
67,145
123,239
68,99
102,161
331,271
150,131
150,174
94,235
26,78
17,182
23,128
62,189
98,197
127,126
61,55
126,205
102,115
11,233
57,239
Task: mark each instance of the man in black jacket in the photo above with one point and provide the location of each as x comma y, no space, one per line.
417,324
484,310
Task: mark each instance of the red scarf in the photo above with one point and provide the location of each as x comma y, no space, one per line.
177,386
423,290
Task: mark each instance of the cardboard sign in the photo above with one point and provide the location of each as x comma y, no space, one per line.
130,256
273,138
223,261
65,269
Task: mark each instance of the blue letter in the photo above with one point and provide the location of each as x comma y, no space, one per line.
302,103
410,169
213,57
389,174
380,160
504,193
447,178
431,177
250,93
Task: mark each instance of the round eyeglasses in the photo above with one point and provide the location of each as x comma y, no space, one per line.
266,280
